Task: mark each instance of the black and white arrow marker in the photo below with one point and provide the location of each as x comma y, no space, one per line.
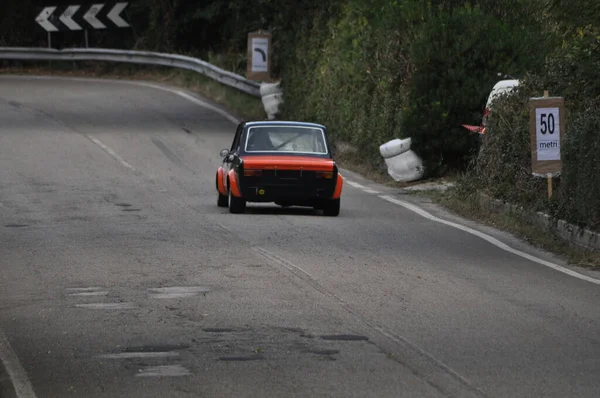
91,18
77,17
67,18
43,19
115,15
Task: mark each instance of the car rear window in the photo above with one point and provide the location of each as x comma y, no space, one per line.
286,139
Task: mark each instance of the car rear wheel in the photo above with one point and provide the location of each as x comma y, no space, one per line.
331,208
236,205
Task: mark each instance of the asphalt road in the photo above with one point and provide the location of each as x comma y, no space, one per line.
120,277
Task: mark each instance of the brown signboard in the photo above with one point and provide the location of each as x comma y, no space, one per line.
547,134
259,56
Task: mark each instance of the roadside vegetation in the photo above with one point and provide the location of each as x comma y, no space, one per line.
502,169
383,69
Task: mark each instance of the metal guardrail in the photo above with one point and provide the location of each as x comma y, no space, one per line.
136,57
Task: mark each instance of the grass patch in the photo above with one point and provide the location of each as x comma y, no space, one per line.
240,104
469,208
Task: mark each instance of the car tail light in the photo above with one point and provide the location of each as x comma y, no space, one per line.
252,173
325,174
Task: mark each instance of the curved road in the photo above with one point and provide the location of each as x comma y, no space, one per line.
120,277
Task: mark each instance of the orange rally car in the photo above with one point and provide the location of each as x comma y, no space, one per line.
288,163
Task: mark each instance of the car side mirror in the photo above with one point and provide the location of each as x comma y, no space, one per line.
224,152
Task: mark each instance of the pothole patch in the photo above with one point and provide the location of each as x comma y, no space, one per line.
157,348
218,330
241,358
16,225
135,355
344,337
322,352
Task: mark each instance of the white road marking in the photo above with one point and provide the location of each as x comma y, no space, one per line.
361,187
195,100
490,239
98,293
107,306
355,184
129,355
110,152
163,371
369,190
16,373
177,292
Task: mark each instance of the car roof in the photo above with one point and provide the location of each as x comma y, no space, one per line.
283,123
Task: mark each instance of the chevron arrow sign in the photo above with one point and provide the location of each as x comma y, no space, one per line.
82,17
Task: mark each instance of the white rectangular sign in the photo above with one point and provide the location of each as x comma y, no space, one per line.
260,54
547,132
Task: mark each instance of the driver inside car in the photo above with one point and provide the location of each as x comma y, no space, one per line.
260,141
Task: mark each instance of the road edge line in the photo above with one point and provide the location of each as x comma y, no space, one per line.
490,239
193,99
16,373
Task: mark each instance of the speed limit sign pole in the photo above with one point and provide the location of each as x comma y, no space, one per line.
547,131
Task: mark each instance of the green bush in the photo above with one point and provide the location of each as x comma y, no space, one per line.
580,188
456,63
349,72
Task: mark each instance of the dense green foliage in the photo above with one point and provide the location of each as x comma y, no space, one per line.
456,58
381,69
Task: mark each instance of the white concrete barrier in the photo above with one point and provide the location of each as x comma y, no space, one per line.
395,147
272,98
403,164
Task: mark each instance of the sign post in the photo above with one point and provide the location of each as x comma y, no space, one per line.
259,56
547,132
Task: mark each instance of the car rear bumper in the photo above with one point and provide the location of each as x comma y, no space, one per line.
286,193
287,187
